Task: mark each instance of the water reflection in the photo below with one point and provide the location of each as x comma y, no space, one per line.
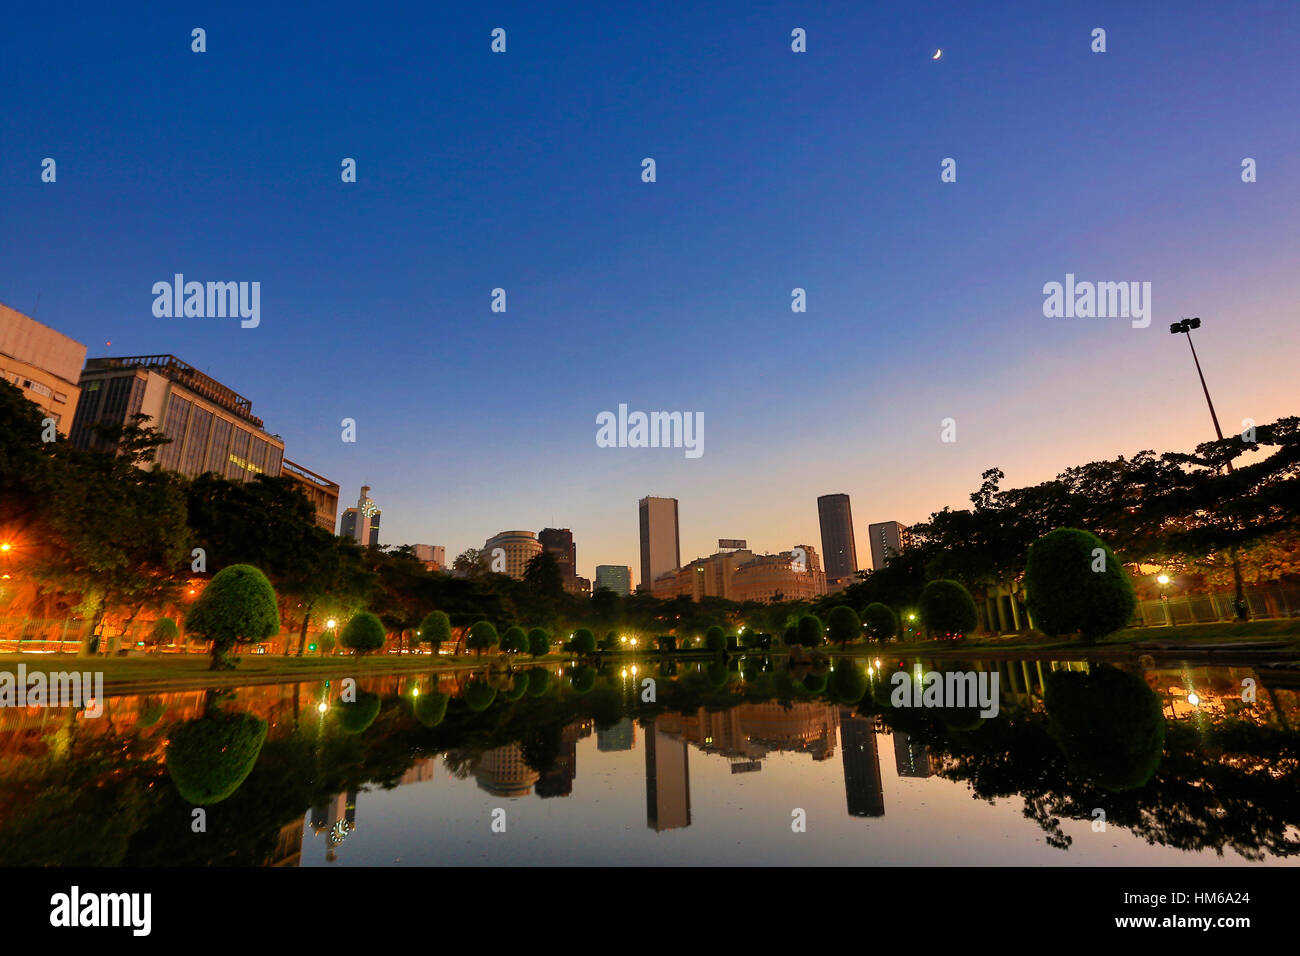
307,773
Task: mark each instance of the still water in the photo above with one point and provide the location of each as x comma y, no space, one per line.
746,762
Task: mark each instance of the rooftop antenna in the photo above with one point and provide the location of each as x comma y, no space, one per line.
37,307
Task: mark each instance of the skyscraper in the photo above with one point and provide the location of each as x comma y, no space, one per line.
508,552
361,523
559,542
614,577
838,550
660,543
886,539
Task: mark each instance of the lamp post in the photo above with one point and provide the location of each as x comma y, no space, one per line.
1184,327
1163,581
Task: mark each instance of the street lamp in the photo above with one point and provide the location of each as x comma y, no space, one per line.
1163,581
1184,327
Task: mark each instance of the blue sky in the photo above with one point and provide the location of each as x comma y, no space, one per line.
775,170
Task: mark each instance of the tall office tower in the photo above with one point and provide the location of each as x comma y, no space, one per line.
660,543
516,549
210,427
614,577
559,542
43,363
886,539
838,550
863,788
361,523
667,781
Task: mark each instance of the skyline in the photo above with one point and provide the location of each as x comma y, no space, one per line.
775,171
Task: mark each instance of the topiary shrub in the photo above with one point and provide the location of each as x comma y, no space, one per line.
363,634
1074,584
947,608
810,631
482,637
842,625
584,641
355,716
164,631
514,640
667,643
435,630
539,642
1108,723
210,757
238,606
715,639
430,709
880,621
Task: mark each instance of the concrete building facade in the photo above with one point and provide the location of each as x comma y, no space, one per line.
321,492
660,538
43,363
517,549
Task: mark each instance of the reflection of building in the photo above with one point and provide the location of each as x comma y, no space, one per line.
838,549
421,771
321,492
210,427
660,548
667,781
517,548
559,542
753,730
558,780
622,736
43,363
863,789
336,820
614,577
503,772
886,539
911,757
288,844
361,523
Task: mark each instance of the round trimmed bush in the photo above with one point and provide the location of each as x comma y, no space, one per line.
482,637
1108,723
842,625
810,631
880,621
363,634
210,757
584,641
435,630
164,631
715,639
947,607
1074,584
237,606
539,642
514,640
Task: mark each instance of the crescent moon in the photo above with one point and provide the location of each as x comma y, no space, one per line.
937,54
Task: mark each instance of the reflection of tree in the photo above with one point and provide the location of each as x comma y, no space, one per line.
1108,723
210,757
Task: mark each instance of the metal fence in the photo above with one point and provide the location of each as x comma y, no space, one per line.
1279,601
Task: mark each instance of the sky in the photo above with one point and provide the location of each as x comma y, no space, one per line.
774,170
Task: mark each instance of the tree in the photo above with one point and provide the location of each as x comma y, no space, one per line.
947,607
715,639
515,640
539,642
843,625
810,631
584,641
363,634
482,636
237,606
880,621
164,631
543,577
1074,583
435,630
